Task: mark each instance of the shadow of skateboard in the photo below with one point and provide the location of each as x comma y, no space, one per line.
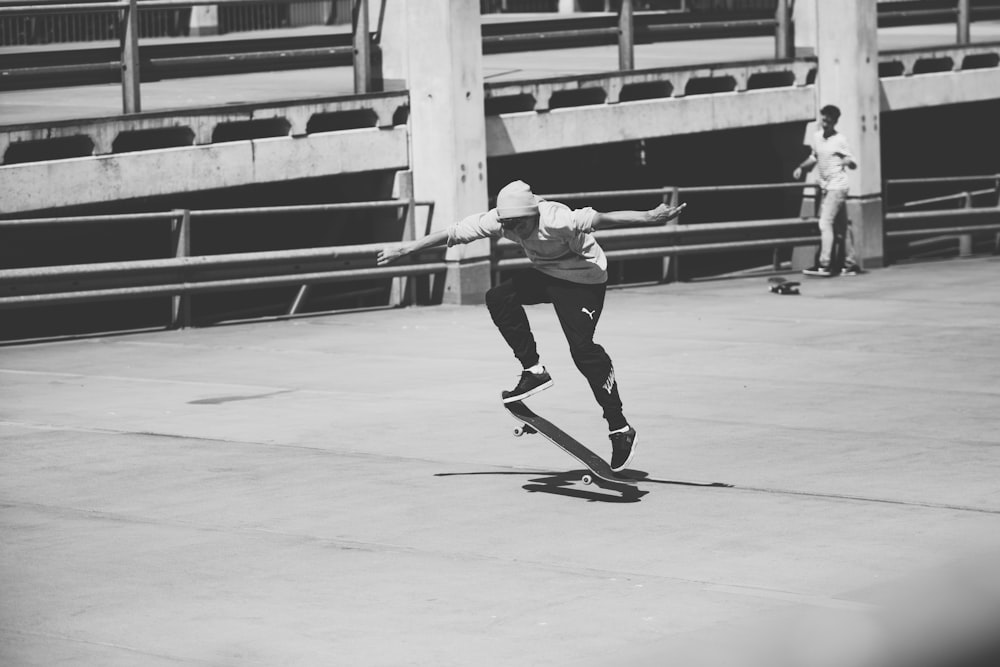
600,471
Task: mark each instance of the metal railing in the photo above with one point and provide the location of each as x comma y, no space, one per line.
628,29
37,25
928,232
183,274
126,14
676,239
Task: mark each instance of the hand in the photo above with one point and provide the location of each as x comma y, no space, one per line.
662,214
797,174
389,254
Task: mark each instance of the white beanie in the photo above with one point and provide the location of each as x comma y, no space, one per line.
516,200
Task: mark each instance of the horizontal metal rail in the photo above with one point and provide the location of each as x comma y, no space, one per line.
212,213
930,222
943,231
966,195
942,179
952,197
90,219
680,189
62,7
176,288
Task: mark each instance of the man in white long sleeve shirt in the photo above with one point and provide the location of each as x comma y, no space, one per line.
569,270
833,158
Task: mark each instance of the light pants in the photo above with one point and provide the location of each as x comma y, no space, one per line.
833,223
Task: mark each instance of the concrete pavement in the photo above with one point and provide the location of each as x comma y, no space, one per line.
345,489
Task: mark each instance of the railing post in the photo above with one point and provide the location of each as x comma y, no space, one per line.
783,46
965,240
362,48
129,36
963,22
403,290
180,233
670,270
626,37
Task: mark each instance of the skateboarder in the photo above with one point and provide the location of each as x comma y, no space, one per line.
833,157
569,270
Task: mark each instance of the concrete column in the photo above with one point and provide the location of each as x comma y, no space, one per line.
438,52
804,28
391,69
204,20
847,52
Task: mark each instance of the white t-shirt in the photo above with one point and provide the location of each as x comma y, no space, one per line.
562,246
831,173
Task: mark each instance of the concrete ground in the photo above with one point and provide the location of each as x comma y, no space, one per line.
818,478
54,104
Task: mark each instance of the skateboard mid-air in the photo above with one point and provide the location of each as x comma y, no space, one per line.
533,423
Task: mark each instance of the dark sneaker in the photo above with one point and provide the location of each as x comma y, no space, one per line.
818,270
851,270
529,385
623,448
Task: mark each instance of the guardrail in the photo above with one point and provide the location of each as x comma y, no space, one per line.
128,59
923,230
71,67
183,275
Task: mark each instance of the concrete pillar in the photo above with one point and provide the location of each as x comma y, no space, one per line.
436,48
847,53
804,28
204,20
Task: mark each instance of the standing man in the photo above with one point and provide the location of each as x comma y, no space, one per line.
831,153
569,270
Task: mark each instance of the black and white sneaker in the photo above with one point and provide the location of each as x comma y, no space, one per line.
818,270
623,445
529,385
851,270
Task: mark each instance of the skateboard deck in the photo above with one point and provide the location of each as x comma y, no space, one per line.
533,423
783,286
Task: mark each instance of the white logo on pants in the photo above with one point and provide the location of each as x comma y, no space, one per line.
609,384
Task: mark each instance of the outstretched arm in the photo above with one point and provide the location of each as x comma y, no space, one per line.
390,254
660,215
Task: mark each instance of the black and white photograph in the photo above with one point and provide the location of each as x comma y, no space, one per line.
500,333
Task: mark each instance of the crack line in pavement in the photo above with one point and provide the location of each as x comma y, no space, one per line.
131,649
380,547
396,457
868,499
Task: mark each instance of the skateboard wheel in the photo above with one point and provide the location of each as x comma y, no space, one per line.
518,431
586,479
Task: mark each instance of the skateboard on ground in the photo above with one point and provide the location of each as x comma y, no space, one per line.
532,423
781,285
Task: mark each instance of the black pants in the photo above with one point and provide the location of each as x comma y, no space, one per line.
578,308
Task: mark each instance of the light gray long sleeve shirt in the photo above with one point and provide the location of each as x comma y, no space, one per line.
562,246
